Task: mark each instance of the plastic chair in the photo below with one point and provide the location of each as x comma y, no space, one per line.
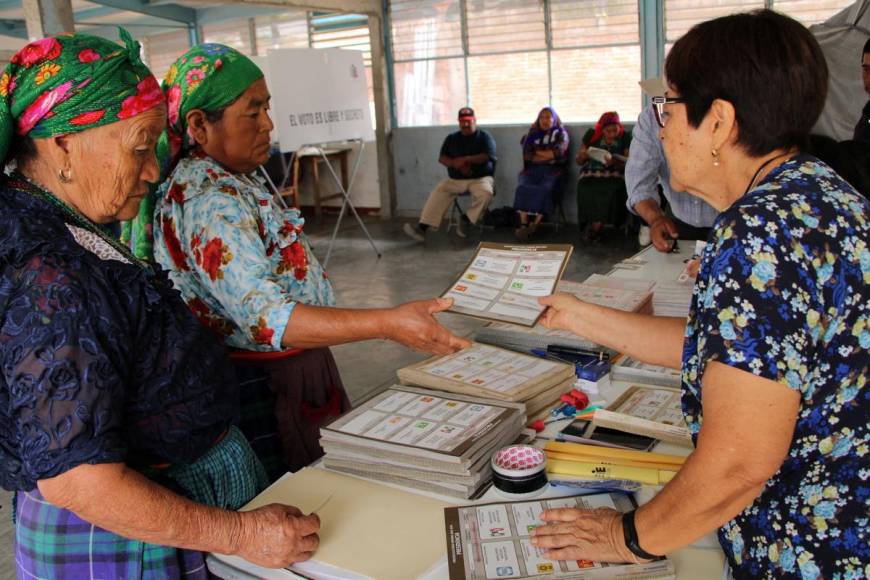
454,219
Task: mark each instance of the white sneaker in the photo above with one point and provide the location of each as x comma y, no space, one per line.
643,236
414,232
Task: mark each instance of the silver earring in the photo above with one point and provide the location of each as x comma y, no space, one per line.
65,175
715,158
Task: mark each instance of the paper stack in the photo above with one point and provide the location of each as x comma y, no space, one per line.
630,370
672,298
494,373
423,439
622,294
575,461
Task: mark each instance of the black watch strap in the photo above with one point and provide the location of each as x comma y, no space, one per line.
629,532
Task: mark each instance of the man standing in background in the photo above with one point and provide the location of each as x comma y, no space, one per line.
689,218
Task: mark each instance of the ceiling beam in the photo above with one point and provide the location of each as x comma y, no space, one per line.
167,12
370,7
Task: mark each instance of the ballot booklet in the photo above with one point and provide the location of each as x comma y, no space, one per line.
503,281
493,540
626,295
422,439
495,373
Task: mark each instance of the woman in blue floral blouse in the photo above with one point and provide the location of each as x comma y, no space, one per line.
776,350
244,267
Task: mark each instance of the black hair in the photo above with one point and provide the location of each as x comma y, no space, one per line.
767,65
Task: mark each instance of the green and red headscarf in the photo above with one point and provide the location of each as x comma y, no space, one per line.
206,77
71,83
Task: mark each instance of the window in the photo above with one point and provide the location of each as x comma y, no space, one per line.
510,58
810,12
234,33
425,29
161,50
286,30
681,15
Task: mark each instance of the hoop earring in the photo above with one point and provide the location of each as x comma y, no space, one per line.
715,158
65,175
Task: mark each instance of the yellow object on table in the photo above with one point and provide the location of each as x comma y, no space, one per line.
581,450
602,470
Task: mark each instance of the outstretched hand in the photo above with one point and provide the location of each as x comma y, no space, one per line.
414,325
561,312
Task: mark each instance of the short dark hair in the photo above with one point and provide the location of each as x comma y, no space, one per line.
767,65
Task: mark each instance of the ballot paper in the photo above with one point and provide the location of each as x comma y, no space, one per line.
504,282
494,541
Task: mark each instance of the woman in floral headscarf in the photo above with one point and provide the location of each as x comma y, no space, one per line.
545,150
115,403
601,193
244,266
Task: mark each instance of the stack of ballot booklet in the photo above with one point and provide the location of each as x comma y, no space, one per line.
423,439
494,373
627,295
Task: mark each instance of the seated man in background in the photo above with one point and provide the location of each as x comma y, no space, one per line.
469,156
690,218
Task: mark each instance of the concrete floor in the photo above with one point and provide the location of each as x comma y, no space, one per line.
406,271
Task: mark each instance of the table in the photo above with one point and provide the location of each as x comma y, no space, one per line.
312,156
703,560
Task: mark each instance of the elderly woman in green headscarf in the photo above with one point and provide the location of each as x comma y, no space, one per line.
244,267
116,404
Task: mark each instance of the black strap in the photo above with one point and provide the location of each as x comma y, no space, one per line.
629,532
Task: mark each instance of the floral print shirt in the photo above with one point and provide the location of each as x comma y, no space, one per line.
783,294
240,261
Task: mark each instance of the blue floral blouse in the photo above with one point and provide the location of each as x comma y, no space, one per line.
100,362
240,261
783,293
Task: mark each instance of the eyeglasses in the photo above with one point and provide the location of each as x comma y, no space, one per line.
659,108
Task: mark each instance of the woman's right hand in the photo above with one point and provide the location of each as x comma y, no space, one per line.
275,536
414,325
562,312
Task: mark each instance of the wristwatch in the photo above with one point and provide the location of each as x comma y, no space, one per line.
629,532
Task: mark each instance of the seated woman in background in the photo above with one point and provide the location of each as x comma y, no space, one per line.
243,265
776,349
601,193
115,402
545,149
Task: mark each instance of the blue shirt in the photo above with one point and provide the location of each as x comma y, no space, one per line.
783,294
647,167
459,145
101,363
240,261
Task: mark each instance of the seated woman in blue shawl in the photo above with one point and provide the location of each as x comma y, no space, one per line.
545,151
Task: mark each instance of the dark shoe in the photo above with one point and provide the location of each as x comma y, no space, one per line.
522,233
415,232
533,227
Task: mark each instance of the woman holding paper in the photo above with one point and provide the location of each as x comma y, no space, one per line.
776,350
243,264
601,193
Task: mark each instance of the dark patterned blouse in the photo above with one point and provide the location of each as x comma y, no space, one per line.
102,362
784,293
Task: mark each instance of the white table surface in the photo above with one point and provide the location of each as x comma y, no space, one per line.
703,560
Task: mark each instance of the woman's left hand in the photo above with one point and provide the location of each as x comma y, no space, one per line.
582,534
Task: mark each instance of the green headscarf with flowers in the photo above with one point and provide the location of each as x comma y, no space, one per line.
206,77
70,83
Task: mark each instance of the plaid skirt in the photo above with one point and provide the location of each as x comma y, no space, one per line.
51,542
284,401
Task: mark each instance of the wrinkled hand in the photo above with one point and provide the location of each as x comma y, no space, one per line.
275,536
413,325
663,233
562,311
581,534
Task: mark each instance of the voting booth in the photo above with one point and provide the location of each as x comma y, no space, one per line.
320,100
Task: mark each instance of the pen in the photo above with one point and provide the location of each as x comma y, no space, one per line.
568,351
